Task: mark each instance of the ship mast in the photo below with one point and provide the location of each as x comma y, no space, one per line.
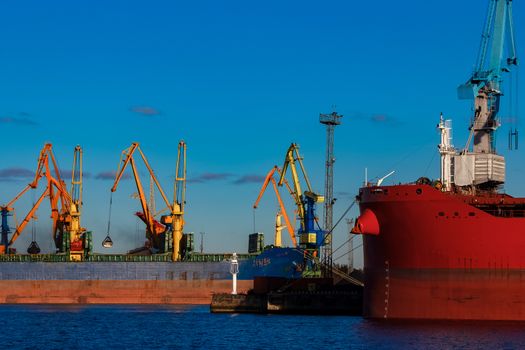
447,152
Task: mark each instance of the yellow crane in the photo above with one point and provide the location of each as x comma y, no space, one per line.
310,237
77,234
179,200
176,219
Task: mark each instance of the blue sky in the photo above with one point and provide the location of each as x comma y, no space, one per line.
238,81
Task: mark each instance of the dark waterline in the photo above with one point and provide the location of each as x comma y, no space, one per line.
189,327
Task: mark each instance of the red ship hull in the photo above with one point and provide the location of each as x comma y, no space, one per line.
440,255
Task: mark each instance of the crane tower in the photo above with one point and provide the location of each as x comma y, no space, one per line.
331,121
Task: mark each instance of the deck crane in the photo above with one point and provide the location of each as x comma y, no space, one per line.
170,226
55,189
270,178
484,84
310,237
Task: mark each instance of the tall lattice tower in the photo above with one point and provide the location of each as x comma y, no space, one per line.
331,121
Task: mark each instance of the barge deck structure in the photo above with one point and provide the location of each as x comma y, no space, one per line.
131,279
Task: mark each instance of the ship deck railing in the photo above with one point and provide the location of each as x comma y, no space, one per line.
211,257
61,257
503,212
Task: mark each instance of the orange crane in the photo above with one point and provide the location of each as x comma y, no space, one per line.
270,178
55,190
158,233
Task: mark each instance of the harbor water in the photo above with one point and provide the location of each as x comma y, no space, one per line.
194,327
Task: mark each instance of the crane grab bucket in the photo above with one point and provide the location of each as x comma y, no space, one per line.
107,242
33,248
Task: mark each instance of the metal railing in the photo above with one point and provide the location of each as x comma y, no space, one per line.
195,257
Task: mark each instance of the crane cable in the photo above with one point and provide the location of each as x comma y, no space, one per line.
338,221
350,251
33,246
33,231
107,242
343,244
254,220
109,214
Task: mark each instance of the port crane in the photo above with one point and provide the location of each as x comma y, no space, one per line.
59,198
484,84
170,227
179,195
79,239
478,166
310,237
270,178
176,219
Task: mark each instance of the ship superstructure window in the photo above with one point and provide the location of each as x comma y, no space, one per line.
441,213
419,191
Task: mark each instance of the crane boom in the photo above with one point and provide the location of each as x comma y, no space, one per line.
55,189
484,84
270,178
52,175
76,178
289,161
28,217
152,174
490,63
176,219
124,161
127,158
9,205
148,216
292,155
179,192
264,186
286,183
155,231
77,236
311,238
